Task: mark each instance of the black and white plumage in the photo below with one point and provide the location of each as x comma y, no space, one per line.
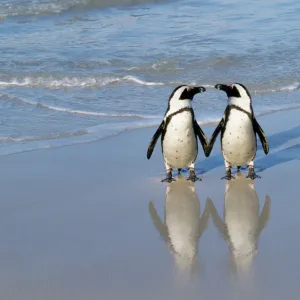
243,223
183,224
179,130
238,129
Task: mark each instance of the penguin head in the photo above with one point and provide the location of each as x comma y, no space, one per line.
237,94
185,92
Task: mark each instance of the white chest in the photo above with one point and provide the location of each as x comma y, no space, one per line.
182,211
242,218
179,144
239,142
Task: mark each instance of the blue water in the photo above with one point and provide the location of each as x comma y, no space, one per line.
73,71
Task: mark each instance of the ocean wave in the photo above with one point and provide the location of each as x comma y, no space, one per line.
76,111
90,134
102,81
30,8
284,88
45,138
74,82
159,66
98,132
92,113
277,109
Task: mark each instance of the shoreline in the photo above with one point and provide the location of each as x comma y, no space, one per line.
208,126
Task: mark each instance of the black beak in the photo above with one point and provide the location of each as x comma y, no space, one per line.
201,89
191,91
222,87
196,89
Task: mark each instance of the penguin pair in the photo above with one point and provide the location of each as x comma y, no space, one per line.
179,131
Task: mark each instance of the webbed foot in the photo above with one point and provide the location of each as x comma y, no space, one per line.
228,175
169,178
193,176
251,174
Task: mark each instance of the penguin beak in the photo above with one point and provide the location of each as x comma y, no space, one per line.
223,87
197,89
191,91
201,89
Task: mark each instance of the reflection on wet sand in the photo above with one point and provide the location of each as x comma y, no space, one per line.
183,224
242,223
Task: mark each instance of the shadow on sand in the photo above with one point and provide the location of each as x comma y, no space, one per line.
262,162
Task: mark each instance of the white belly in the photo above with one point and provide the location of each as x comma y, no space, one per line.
239,142
242,216
182,216
180,145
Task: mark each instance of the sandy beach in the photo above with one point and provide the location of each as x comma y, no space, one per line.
93,221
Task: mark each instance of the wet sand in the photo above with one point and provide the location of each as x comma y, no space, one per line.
93,221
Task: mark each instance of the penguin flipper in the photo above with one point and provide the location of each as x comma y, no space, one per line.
214,136
264,215
261,135
219,223
201,135
204,218
154,139
160,227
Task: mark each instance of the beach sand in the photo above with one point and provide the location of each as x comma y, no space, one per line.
92,221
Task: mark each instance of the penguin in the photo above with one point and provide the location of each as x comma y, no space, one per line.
183,225
242,223
179,130
238,131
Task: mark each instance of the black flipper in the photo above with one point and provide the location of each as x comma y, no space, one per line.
161,228
261,135
264,215
214,136
204,219
154,139
201,135
219,223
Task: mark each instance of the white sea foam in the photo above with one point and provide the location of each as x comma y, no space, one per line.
285,88
92,113
142,82
44,138
74,82
77,111
101,81
58,6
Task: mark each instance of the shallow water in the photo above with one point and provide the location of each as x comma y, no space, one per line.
80,70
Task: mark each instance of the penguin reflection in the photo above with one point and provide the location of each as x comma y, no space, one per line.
242,223
183,224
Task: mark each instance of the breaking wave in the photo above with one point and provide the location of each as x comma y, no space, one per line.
76,111
44,138
30,8
74,82
285,88
102,81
